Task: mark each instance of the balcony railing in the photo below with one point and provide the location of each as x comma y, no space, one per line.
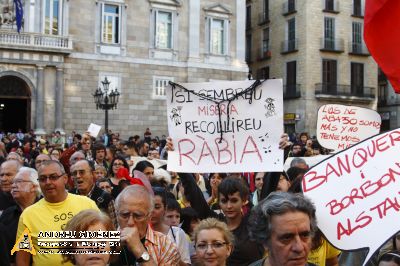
289,7
291,91
358,48
344,90
35,41
265,54
331,6
289,46
332,45
263,17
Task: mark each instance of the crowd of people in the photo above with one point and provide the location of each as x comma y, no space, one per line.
80,183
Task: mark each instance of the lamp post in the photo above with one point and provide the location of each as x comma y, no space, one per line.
105,100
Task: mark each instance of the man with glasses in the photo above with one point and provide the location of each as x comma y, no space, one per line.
140,243
50,213
25,191
82,173
8,170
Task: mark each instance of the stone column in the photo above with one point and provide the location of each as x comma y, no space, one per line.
240,30
59,95
194,29
40,101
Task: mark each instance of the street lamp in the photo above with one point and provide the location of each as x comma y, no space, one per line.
106,100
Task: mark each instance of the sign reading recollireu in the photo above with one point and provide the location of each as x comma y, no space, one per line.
227,126
356,193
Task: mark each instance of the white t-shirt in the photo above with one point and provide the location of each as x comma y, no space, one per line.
178,236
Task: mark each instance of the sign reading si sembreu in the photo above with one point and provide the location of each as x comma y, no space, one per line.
251,127
341,126
357,193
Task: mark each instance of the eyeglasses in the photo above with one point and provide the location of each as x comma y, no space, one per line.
52,177
138,217
17,182
80,172
214,246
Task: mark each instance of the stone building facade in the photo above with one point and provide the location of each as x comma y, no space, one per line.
66,48
317,48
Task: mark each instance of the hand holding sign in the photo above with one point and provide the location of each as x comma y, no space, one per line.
341,126
357,193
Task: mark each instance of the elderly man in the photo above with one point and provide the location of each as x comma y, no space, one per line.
25,191
50,213
41,158
8,170
140,243
82,173
284,223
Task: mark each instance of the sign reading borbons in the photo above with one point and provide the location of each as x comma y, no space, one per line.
356,193
341,126
227,126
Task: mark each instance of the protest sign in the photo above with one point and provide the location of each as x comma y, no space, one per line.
94,130
357,193
230,126
340,126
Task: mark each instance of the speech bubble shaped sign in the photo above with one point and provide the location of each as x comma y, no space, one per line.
341,126
357,193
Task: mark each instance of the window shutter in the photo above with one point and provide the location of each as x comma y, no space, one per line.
226,37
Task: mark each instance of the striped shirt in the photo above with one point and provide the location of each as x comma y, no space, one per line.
162,250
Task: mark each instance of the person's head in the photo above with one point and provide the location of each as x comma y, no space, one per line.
275,181
213,242
86,143
259,180
154,154
40,159
129,148
15,156
42,144
232,196
297,150
172,216
143,148
8,170
52,181
295,172
25,186
99,151
154,143
189,220
90,220
104,184
299,162
99,172
117,163
216,178
110,153
76,156
284,223
304,137
82,174
146,167
160,203
55,154
391,258
134,206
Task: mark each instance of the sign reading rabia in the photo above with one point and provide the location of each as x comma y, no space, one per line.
228,126
341,126
357,193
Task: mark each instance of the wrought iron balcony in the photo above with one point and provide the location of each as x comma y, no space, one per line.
291,91
332,45
35,42
356,48
331,6
289,46
289,7
263,17
339,90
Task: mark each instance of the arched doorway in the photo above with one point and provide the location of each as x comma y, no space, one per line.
15,104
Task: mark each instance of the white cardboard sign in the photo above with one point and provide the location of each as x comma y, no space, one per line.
250,136
341,126
357,193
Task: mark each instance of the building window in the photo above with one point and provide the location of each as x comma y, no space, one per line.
265,10
163,30
329,76
265,40
291,78
159,86
110,30
329,33
218,36
357,79
53,17
248,47
357,37
292,34
357,8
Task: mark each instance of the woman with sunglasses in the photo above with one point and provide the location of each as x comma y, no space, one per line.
213,243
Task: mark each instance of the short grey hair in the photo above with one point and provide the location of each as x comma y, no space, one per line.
134,191
50,162
296,161
278,203
72,158
33,177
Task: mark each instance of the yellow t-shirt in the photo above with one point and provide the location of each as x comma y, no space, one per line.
325,251
46,216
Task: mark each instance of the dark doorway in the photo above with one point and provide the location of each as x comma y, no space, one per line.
15,104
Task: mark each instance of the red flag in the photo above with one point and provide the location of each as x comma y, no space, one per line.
382,36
